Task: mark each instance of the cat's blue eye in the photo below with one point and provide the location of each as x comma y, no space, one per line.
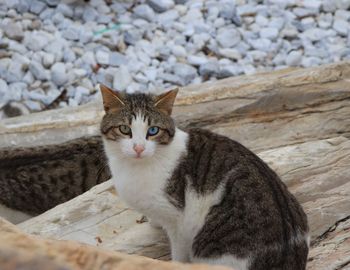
153,131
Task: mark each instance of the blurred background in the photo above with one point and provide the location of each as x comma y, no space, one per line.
53,53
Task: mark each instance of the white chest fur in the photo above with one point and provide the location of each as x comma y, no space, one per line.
141,182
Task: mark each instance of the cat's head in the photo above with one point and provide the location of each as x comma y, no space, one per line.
137,125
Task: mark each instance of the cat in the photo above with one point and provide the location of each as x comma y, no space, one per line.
35,179
217,201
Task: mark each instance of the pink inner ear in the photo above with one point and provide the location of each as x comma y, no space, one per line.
111,100
166,101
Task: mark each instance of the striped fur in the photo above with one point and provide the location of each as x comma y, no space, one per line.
35,179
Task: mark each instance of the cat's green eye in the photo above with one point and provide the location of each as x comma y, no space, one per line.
153,131
125,129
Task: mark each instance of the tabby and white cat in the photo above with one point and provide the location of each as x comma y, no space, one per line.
218,202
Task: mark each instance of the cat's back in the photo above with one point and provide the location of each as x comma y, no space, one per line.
256,213
250,184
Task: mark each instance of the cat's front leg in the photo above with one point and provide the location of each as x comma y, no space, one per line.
180,249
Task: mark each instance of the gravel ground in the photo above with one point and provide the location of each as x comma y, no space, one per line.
53,53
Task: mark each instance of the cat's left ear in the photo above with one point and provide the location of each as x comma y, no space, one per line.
165,102
112,101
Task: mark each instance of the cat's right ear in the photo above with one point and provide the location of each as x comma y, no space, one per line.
112,101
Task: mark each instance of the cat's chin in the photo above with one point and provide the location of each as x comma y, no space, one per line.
138,158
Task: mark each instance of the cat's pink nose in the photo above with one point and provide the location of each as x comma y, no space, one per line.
139,149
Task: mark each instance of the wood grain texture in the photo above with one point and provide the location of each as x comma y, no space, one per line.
23,251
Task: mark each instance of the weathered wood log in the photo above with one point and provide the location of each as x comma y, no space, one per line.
296,120
22,251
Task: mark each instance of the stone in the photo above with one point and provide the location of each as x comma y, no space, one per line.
170,78
143,57
227,11
102,57
228,71
341,26
69,56
51,95
310,61
305,12
58,74
122,79
246,10
65,10
168,17
15,71
277,23
161,5
342,4
269,33
72,102
36,6
294,58
79,72
48,60
89,58
179,51
151,73
47,14
14,31
117,59
32,105
209,69
80,92
132,36
228,37
186,72
196,60
233,54
261,20
17,47
144,12
139,77
37,94
3,93
85,36
133,87
72,33
314,34
52,3
36,40
15,91
325,20
262,44
342,15
104,19
28,78
249,69
22,6
90,14
38,71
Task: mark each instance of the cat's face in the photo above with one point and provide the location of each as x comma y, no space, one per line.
137,125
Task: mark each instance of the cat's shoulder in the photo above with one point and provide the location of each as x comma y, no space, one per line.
204,135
